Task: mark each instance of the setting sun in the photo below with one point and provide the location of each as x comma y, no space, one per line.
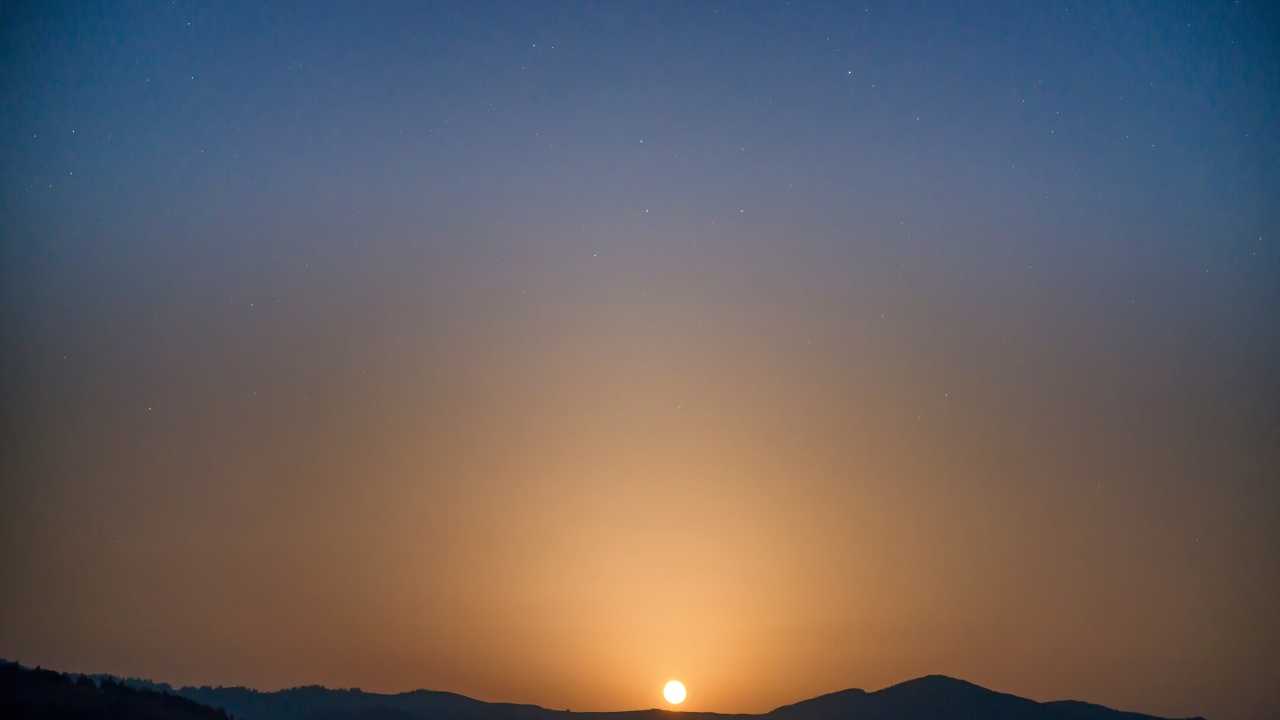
674,692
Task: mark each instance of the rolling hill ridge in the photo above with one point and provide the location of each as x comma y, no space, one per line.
932,697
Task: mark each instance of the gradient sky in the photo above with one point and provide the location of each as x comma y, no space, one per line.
545,351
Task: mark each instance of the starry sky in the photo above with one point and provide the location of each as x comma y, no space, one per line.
545,351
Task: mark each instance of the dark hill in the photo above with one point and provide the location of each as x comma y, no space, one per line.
28,694
933,697
938,696
926,698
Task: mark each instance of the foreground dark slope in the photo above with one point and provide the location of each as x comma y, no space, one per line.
48,695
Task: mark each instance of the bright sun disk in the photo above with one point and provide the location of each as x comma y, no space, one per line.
674,692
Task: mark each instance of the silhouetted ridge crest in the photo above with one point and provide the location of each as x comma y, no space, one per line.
48,695
934,697
832,698
931,697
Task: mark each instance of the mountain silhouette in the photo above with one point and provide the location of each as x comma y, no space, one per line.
933,697
34,693
938,696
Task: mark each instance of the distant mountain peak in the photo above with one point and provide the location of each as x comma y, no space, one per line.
938,683
940,696
936,679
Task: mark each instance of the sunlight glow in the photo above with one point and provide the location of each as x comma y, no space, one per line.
674,692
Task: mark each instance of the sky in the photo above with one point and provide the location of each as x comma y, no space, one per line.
543,352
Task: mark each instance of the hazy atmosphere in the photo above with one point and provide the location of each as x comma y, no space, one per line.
542,352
